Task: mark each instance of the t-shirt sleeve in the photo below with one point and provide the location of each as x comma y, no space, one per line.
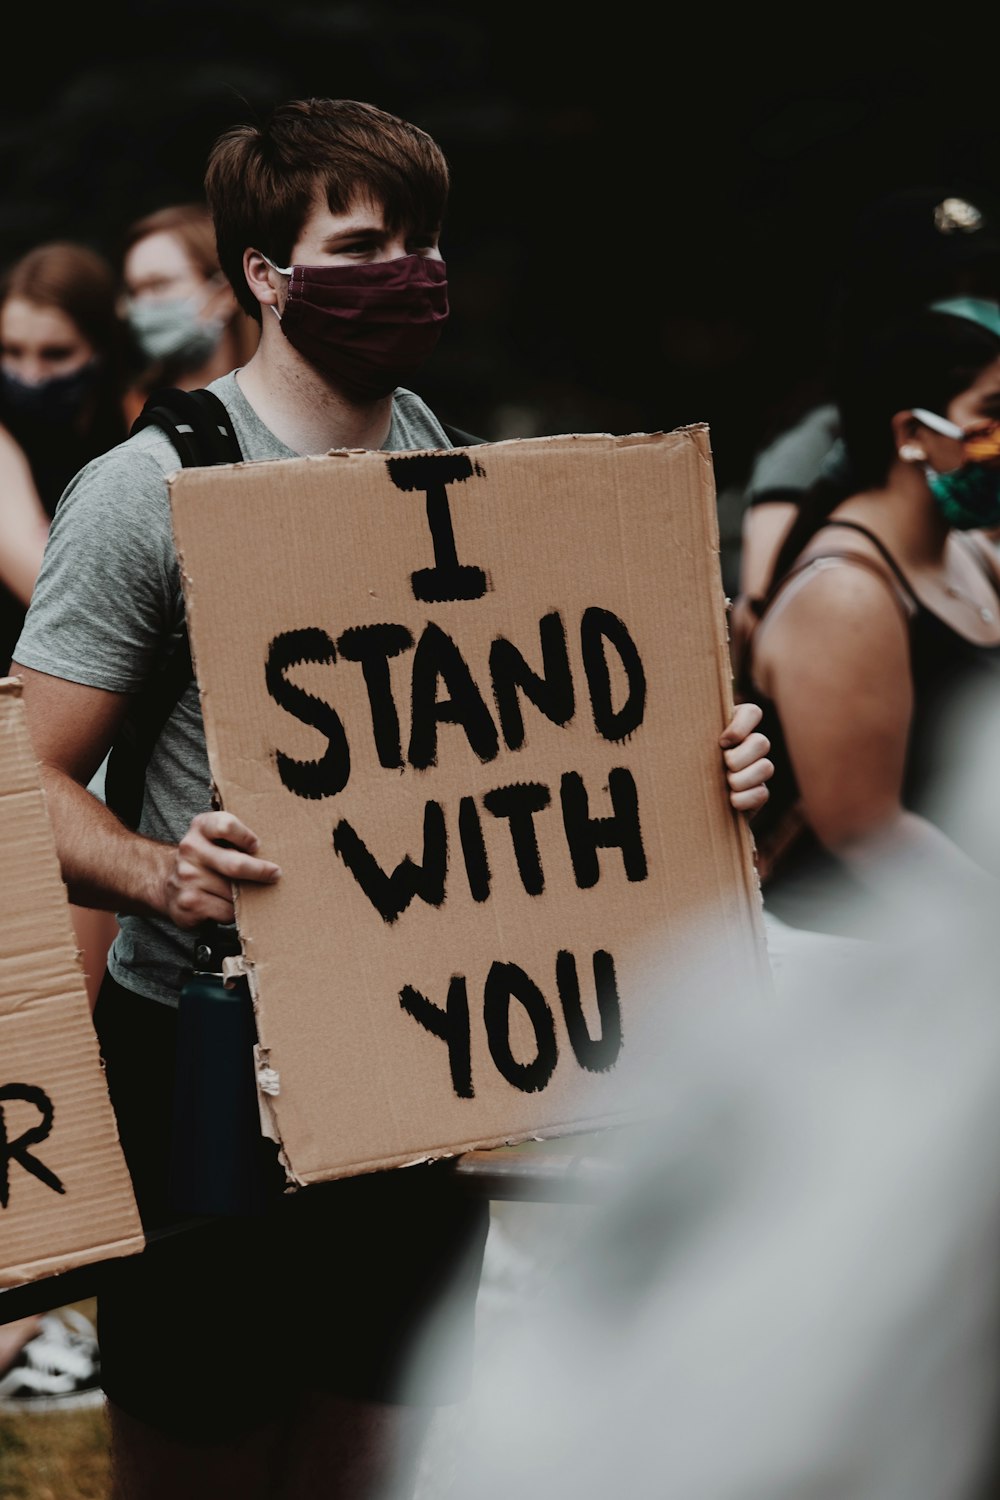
792,462
107,595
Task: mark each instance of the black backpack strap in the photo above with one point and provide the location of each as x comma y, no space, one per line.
200,429
197,423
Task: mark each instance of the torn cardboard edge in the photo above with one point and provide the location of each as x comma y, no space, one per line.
452,1150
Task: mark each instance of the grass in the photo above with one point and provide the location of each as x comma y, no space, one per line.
55,1455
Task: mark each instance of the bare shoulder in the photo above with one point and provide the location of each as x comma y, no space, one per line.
842,588
839,608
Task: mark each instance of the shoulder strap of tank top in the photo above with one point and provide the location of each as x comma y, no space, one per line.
898,583
883,552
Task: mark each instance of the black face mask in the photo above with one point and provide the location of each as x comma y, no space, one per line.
56,401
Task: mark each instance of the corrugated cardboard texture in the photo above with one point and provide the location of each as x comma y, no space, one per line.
408,1018
65,1194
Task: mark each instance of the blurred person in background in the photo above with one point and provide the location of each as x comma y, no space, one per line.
916,246
885,608
64,358
63,361
185,320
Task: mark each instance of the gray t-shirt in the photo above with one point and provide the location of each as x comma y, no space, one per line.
799,456
108,603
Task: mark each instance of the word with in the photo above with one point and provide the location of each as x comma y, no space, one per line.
517,805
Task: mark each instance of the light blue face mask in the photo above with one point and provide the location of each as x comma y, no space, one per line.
980,310
171,329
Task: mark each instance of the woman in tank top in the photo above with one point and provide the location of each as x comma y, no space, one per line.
882,618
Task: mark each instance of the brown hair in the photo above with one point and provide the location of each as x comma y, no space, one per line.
261,181
81,282
191,223
78,281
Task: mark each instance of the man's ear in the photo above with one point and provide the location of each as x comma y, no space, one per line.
262,279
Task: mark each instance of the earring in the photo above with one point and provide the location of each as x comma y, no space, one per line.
912,453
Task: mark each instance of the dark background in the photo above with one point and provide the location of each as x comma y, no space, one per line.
649,209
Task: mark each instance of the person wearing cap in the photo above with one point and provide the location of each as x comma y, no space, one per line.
923,245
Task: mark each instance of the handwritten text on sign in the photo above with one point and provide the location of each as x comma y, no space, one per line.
444,691
20,1147
469,701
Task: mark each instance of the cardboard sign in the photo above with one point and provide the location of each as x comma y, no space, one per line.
470,702
65,1192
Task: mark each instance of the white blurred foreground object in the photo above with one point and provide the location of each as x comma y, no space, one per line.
794,1291
57,1370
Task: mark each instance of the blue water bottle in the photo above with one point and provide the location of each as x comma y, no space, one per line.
221,1163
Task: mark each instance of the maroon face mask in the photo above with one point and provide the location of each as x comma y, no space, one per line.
366,328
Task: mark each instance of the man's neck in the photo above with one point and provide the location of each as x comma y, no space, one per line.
301,409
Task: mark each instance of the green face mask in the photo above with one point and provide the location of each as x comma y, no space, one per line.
969,495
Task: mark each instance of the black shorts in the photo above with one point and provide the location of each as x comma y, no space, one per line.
341,1287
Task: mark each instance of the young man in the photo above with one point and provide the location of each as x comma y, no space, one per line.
285,1338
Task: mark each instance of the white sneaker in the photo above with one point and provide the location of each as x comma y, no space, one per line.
70,1327
58,1370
